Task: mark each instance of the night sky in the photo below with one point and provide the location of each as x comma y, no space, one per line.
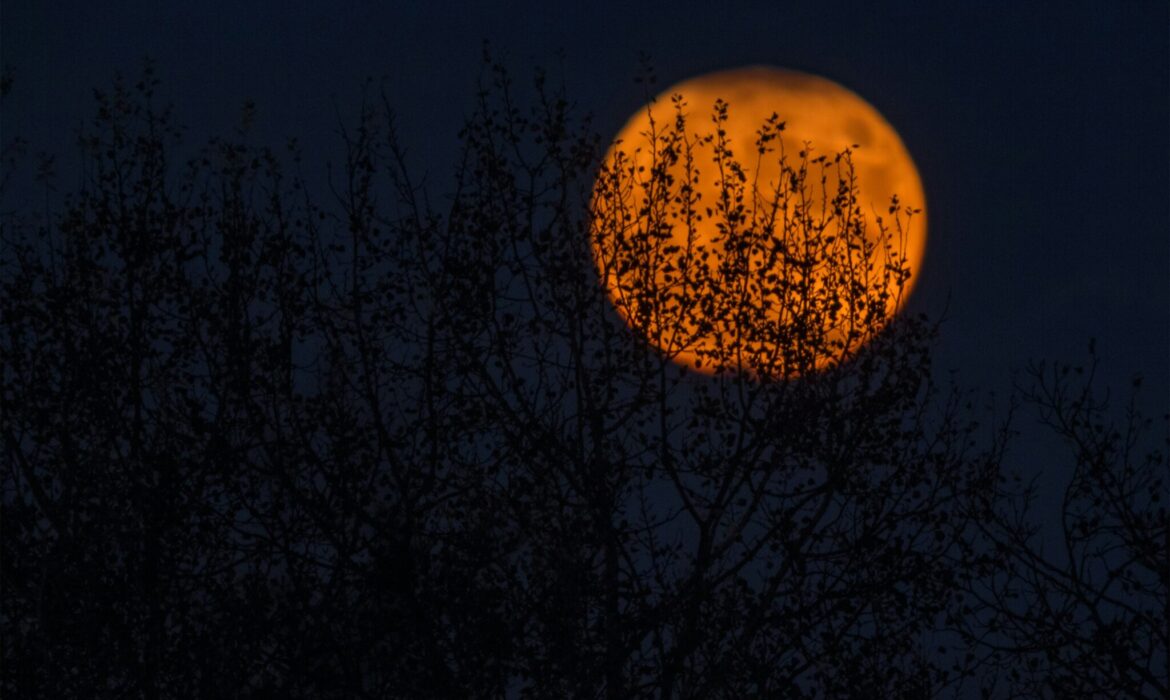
1040,135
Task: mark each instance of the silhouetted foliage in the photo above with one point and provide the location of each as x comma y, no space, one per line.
1084,615
257,446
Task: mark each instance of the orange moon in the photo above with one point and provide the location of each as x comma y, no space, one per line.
821,118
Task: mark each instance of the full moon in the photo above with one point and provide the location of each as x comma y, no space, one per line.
662,212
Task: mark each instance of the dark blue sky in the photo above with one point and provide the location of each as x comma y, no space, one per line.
1041,133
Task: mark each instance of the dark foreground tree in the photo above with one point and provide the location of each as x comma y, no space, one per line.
1085,613
259,447
683,534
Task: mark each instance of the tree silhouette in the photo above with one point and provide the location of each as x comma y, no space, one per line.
733,534
257,446
1084,616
